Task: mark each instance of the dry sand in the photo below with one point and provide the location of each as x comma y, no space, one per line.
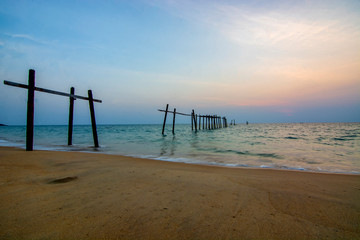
63,195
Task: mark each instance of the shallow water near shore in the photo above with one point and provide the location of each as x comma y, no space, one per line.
319,147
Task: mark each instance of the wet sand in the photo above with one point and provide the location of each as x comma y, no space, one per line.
64,195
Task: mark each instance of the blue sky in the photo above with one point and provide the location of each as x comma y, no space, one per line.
261,61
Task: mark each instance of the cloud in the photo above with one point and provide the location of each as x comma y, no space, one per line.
300,51
27,38
280,25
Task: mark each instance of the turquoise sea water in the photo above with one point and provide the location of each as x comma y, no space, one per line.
320,147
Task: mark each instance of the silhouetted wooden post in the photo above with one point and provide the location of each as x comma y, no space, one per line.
203,122
192,120
93,122
166,111
199,122
173,129
71,116
195,122
30,112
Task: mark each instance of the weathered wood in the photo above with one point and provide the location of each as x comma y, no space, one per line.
166,111
30,112
93,121
192,120
195,121
71,116
199,125
30,108
49,91
208,121
173,128
179,113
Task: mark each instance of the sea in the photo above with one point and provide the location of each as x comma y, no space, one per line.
314,147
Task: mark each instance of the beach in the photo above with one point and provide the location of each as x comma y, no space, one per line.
73,195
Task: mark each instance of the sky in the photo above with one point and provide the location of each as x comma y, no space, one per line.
258,61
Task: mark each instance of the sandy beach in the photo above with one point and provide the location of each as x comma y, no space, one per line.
66,195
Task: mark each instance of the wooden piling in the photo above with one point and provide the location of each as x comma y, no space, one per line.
166,111
93,121
173,128
195,122
71,116
192,120
30,112
199,122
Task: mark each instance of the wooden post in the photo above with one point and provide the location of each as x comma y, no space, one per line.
166,111
195,122
93,122
199,122
203,122
192,120
173,129
30,112
71,116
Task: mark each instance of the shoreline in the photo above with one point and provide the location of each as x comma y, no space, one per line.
72,195
188,161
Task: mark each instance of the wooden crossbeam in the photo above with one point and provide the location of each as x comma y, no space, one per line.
14,84
184,114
